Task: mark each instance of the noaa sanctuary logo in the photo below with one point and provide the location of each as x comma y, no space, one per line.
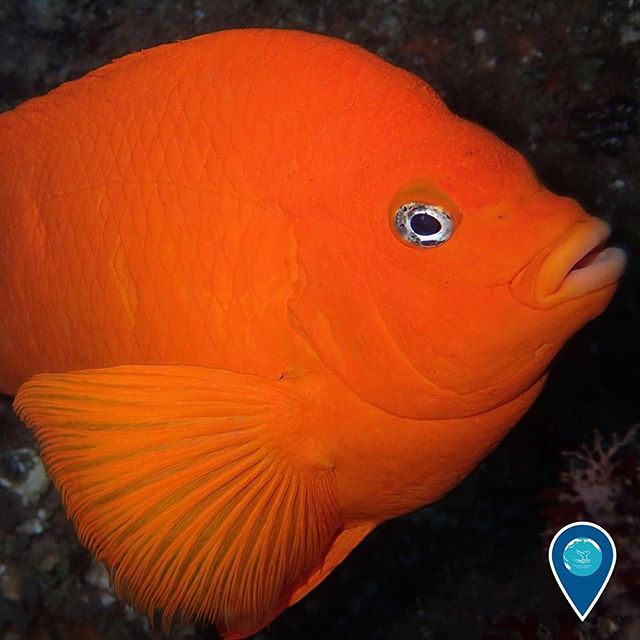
582,556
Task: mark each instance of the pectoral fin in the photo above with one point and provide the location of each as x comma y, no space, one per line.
198,488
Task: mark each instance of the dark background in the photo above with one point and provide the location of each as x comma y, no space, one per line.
560,82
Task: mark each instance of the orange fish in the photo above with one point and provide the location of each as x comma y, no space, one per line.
262,291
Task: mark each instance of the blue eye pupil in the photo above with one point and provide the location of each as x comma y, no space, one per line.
424,225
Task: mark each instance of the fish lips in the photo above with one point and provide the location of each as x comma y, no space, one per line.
578,264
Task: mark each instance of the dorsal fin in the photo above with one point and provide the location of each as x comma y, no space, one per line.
195,486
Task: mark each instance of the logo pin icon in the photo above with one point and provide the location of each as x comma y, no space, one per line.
582,556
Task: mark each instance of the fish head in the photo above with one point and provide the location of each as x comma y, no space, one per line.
440,276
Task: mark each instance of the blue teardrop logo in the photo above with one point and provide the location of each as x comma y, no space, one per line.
582,556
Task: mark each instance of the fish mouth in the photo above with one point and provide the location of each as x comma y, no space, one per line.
580,263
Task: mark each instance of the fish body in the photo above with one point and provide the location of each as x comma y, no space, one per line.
236,359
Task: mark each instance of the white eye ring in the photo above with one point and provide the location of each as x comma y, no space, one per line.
425,225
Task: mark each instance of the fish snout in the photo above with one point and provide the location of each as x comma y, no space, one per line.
579,263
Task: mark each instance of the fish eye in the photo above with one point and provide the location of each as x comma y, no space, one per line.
425,225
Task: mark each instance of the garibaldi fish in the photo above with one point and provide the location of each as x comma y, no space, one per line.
261,292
